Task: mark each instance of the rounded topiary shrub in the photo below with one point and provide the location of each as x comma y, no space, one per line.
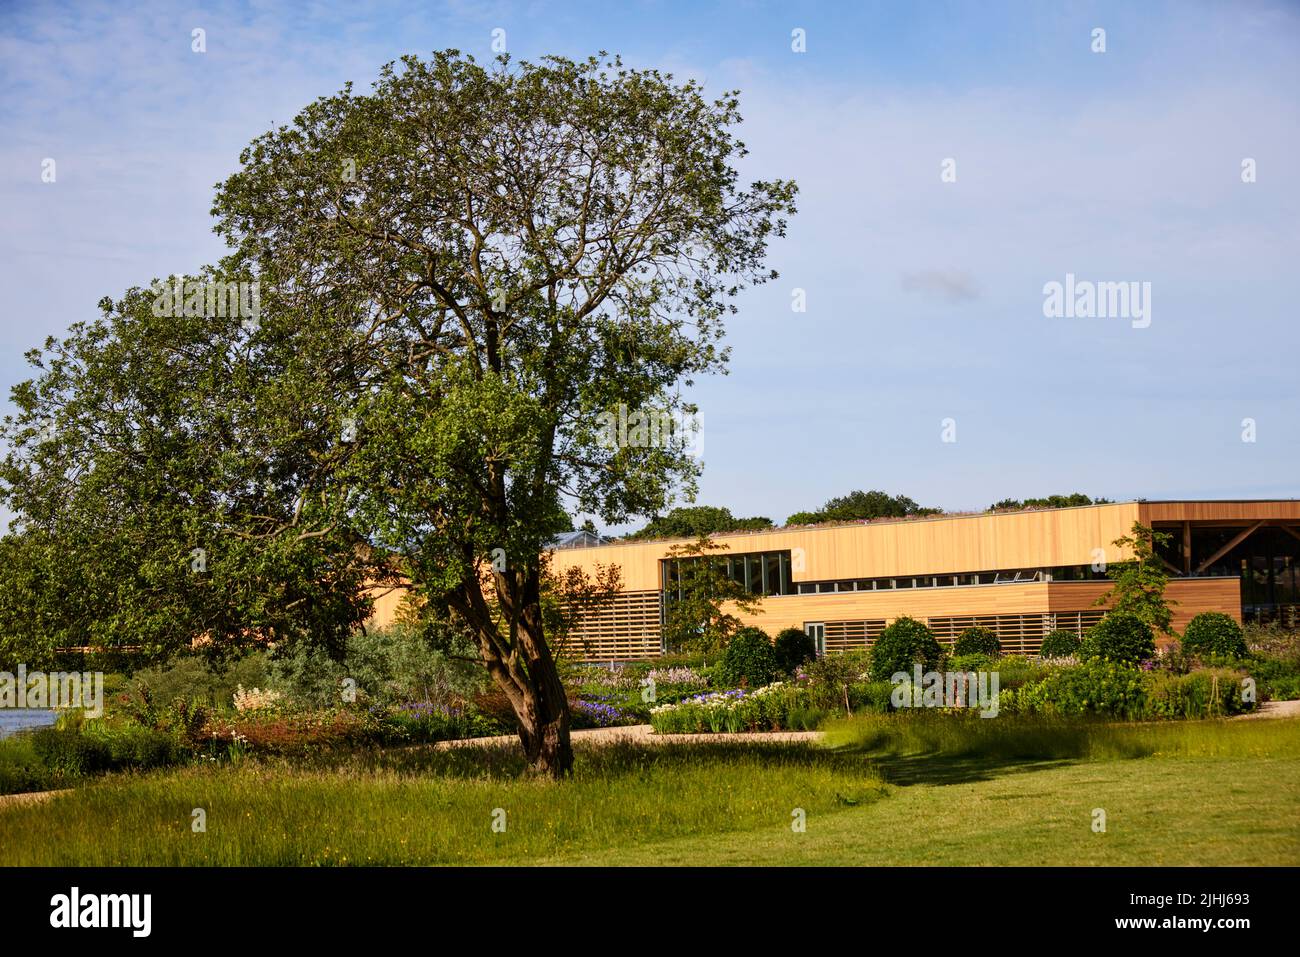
793,647
904,642
1061,643
749,659
1120,637
1214,633
977,641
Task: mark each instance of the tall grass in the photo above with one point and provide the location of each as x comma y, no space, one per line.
428,807
1034,737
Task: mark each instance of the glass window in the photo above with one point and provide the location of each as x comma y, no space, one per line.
772,569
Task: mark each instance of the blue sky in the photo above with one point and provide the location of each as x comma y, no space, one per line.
925,298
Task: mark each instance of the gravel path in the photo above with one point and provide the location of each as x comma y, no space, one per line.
641,734
1273,709
29,797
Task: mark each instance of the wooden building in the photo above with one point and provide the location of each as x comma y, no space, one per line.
1022,574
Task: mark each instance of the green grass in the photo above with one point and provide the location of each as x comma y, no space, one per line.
1034,737
428,807
906,789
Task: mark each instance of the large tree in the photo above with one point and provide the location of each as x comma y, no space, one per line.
1140,581
692,521
462,274
860,506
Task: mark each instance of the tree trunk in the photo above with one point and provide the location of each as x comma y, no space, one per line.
544,718
546,744
527,674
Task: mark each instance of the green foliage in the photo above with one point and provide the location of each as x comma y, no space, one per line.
1062,643
774,707
696,621
1116,689
1111,688
793,648
860,506
441,331
96,748
1140,581
1119,637
1015,670
832,677
1214,633
393,665
696,520
198,681
749,659
975,661
870,696
1205,693
904,642
1072,500
972,641
21,768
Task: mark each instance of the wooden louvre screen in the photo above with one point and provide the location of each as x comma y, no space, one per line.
846,635
1017,634
626,628
1077,621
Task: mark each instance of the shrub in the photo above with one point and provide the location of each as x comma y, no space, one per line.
831,676
871,696
197,681
793,647
1061,643
976,661
1119,637
749,659
1215,634
1110,688
389,665
977,641
1209,692
904,642
97,748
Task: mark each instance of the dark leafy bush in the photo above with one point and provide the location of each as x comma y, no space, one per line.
871,696
1210,692
793,647
390,665
21,769
904,642
193,679
749,659
1215,634
1016,670
977,641
1119,637
831,676
1061,643
976,661
92,751
1110,688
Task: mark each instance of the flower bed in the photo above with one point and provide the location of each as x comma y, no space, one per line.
775,707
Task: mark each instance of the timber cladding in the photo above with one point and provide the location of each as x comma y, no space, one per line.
1045,553
936,545
1193,596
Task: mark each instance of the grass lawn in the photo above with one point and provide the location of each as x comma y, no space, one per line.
890,791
